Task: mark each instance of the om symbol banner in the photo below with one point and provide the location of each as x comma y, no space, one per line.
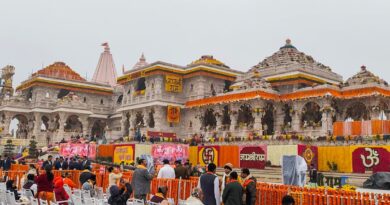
124,154
253,156
370,158
309,153
171,152
208,154
173,114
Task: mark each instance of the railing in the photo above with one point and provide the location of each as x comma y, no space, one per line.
267,194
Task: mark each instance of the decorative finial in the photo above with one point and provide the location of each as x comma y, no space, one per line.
142,59
123,68
106,46
288,41
363,68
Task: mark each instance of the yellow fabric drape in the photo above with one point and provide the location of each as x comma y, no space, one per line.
341,155
141,149
275,152
193,154
229,154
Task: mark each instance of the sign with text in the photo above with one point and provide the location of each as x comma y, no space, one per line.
72,149
173,83
171,152
253,157
124,154
173,114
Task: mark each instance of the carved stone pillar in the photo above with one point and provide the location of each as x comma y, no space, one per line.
6,122
233,120
85,122
327,123
132,123
61,121
279,118
158,118
37,125
123,124
296,119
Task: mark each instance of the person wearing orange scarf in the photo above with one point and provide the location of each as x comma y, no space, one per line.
249,186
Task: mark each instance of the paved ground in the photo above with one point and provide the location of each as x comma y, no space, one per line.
274,175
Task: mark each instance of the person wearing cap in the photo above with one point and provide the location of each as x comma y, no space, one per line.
166,172
226,176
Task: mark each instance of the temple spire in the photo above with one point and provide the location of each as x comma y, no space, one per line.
105,72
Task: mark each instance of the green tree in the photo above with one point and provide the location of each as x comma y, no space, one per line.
9,148
32,150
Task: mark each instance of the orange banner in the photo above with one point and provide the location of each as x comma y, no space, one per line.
173,114
229,154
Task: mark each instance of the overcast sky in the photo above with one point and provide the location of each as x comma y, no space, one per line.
341,34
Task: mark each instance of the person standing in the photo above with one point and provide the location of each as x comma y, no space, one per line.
85,175
209,183
288,200
166,172
249,185
60,164
226,175
232,194
180,171
86,162
48,162
45,184
7,164
113,177
141,180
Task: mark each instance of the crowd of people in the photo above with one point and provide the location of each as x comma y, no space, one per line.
232,189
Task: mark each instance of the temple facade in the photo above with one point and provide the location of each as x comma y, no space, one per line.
288,92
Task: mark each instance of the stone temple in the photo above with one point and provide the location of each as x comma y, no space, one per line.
287,92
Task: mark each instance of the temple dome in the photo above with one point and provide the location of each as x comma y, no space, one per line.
59,70
364,77
141,63
208,60
289,55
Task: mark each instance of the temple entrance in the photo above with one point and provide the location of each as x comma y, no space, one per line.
356,112
126,125
73,124
209,120
311,115
287,116
225,117
151,119
44,124
268,119
98,129
245,117
19,126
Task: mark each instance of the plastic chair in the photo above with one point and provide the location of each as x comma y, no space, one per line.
89,201
44,202
135,202
29,194
152,203
3,186
34,201
86,194
181,202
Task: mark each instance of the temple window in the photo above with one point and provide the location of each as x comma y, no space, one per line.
85,100
191,87
227,86
101,101
47,95
120,99
170,124
63,93
140,84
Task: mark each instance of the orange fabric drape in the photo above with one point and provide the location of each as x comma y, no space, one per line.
387,127
356,128
377,127
106,150
229,154
338,128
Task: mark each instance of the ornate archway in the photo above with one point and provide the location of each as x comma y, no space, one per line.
245,116
268,119
287,120
311,115
73,124
151,122
44,123
139,119
19,126
357,111
226,116
98,128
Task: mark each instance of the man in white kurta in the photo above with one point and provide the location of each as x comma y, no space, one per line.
166,172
